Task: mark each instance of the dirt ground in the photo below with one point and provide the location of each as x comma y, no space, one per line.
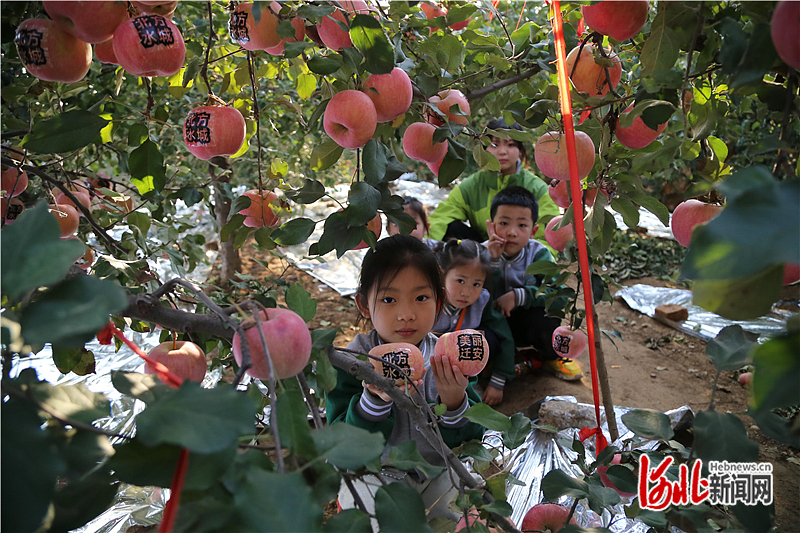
652,366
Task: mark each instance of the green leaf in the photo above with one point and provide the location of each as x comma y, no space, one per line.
339,235
405,456
730,349
306,85
722,437
777,372
363,200
648,423
325,155
269,502
622,478
72,312
754,231
236,221
146,164
399,509
293,423
602,497
653,205
558,483
520,428
739,299
144,466
144,387
375,161
368,37
201,420
475,450
348,521
450,53
82,500
73,401
32,254
453,164
660,50
482,414
311,191
140,220
296,231
64,133
30,466
499,507
75,359
321,340
299,301
324,65
347,446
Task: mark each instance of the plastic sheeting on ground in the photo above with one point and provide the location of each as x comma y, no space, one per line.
701,323
542,452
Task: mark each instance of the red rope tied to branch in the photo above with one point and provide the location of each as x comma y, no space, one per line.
577,202
171,509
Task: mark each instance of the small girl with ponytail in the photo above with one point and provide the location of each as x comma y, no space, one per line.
465,266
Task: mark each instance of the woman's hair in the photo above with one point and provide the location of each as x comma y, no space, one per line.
457,253
500,124
417,208
393,254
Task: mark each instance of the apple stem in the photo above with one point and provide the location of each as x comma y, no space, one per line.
174,340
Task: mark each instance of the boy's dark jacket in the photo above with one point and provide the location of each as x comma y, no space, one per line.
344,404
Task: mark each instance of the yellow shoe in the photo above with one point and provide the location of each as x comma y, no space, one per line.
563,368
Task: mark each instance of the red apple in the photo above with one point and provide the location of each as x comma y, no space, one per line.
10,209
350,119
607,482
568,342
619,20
82,196
209,131
559,192
637,135
557,238
689,214
390,93
418,143
91,22
444,101
251,36
745,378
105,52
375,227
785,29
67,217
405,355
184,359
466,348
546,518
431,12
588,76
791,273
260,213
299,26
288,341
50,53
165,9
550,155
14,181
149,45
329,31
434,167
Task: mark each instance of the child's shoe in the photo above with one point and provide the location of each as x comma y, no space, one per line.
563,368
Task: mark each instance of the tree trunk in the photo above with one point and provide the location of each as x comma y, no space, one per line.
230,261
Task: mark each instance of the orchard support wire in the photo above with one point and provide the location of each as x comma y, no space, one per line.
583,254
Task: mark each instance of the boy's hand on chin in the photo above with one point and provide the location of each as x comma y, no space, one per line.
496,244
450,382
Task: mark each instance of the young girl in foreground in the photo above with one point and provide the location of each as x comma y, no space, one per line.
400,291
465,265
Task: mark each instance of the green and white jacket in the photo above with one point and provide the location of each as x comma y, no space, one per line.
471,201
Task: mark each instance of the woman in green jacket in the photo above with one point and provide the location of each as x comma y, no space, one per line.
471,199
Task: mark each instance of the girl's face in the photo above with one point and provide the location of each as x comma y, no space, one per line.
463,284
403,309
507,152
419,231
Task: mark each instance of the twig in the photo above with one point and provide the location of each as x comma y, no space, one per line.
516,78
301,378
204,68
256,114
697,29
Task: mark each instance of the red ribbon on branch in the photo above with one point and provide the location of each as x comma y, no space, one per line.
179,477
577,202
